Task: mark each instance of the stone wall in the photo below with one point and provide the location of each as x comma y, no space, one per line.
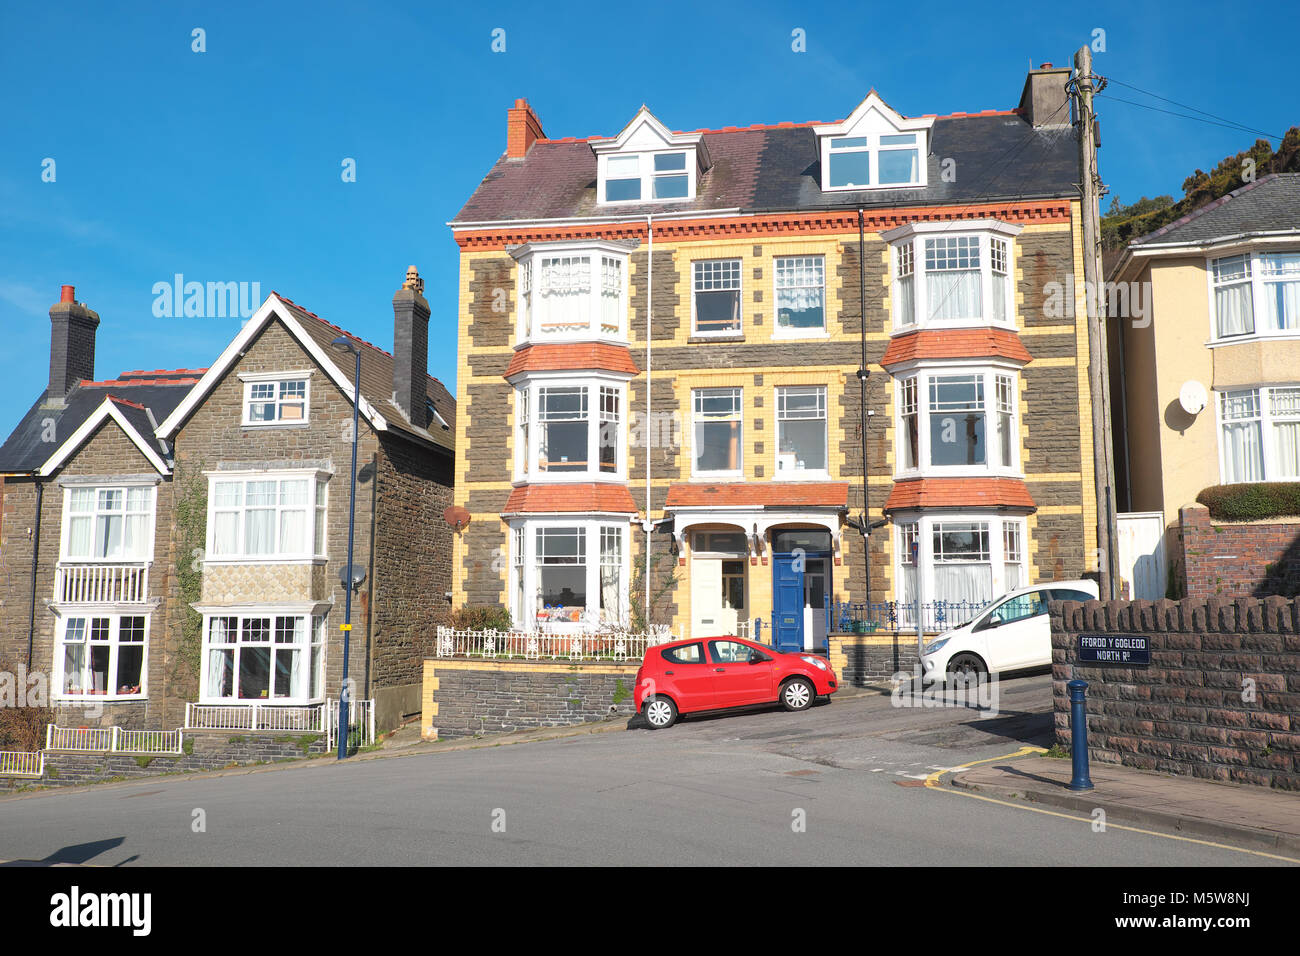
863,659
1241,559
212,750
1220,699
463,698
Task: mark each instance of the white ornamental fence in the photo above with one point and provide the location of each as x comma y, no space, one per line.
538,645
254,717
361,723
116,740
15,764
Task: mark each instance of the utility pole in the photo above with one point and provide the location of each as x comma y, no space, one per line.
1082,88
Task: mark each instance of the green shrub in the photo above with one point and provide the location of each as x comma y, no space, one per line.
1252,502
477,617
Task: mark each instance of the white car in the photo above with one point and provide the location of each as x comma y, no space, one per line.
1012,633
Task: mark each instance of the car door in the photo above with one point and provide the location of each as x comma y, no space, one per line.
1018,633
736,681
688,678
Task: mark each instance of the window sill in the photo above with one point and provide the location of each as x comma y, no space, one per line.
71,699
1291,335
708,477
699,337
801,474
264,702
786,334
259,425
948,325
259,559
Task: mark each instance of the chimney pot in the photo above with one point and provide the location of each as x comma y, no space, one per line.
1043,101
69,294
1044,66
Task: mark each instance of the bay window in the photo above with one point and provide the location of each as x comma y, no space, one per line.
568,428
943,278
108,524
101,655
801,293
951,431
962,559
263,657
568,571
1259,434
1256,293
571,292
801,430
266,516
718,431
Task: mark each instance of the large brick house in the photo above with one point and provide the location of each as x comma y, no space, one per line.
670,326
177,537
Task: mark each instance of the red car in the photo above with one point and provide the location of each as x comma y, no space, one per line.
717,673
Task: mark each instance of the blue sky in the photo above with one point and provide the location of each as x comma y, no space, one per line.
225,165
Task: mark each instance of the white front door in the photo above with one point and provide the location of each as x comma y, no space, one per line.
706,598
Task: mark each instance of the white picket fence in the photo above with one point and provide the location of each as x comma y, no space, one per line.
361,716
535,645
116,740
254,717
16,764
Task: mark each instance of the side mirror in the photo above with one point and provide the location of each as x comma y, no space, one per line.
756,658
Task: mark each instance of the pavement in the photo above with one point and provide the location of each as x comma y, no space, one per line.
1233,814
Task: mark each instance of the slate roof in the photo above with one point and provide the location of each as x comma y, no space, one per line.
137,394
997,156
1270,204
377,379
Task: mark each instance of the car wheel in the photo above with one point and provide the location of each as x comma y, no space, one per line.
966,670
660,712
797,694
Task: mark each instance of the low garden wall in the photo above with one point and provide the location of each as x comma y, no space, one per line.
467,697
862,659
1239,559
1219,699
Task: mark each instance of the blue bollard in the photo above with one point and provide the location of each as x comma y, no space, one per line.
1079,735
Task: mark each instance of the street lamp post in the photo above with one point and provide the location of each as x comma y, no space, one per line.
345,344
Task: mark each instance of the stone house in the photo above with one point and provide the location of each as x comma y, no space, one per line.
689,344
175,538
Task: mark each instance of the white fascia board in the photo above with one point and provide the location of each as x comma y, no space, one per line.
612,246
106,410
644,117
951,226
273,307
873,101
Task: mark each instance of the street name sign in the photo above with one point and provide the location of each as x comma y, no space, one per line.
1114,650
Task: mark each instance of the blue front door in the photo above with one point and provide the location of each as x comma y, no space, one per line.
787,603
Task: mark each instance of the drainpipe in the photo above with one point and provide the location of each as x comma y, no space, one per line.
36,551
649,313
863,373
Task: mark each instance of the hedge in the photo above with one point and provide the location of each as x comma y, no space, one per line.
480,617
1252,502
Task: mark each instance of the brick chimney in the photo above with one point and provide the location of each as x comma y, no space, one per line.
411,348
72,345
523,128
1043,101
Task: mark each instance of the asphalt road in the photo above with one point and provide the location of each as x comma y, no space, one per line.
837,784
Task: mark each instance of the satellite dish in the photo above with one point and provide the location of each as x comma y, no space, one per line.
351,577
1193,397
456,516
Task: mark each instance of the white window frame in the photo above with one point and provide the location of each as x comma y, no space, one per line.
524,534
528,400
126,488
737,332
924,525
277,380
794,332
739,416
1258,282
992,376
908,245
315,639
533,308
58,691
796,473
874,146
647,174
317,513
1268,420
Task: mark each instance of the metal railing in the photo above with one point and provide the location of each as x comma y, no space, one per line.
309,717
83,739
361,723
936,616
16,764
120,583
536,645
148,741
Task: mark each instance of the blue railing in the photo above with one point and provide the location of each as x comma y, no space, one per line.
936,616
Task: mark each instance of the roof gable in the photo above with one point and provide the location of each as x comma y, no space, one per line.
135,423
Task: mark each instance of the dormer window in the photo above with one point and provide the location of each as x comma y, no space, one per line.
648,163
875,148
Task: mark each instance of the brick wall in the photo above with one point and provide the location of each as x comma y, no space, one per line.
1255,558
862,659
463,698
1220,700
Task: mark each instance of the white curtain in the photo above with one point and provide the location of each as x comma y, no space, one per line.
1242,450
219,664
259,531
79,536
953,293
1287,450
963,583
225,532
293,532
906,312
1000,284
1234,309
1014,579
1283,304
